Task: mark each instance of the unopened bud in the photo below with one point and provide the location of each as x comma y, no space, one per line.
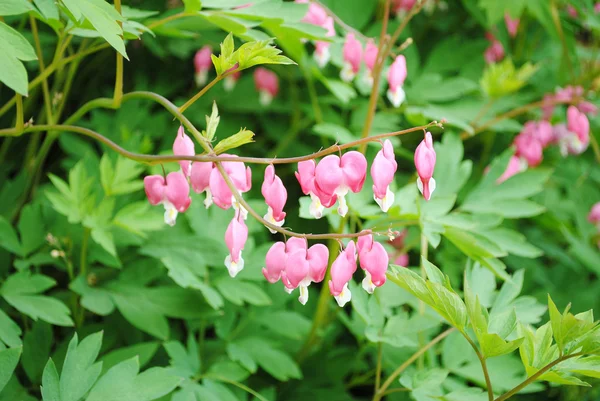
55,253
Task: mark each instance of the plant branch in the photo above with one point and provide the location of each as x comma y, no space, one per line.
118,93
535,376
19,123
40,56
203,91
486,375
378,367
378,395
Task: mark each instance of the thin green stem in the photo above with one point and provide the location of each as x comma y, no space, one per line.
378,395
378,367
312,94
202,92
19,123
118,93
233,383
535,376
45,89
84,250
486,375
424,256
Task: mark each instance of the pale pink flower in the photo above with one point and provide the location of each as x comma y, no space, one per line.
425,163
322,54
396,76
275,196
231,80
352,53
315,15
495,52
173,193
374,261
594,216
335,176
342,270
529,149
515,166
183,146
303,267
572,11
382,171
220,191
597,7
401,260
203,64
512,25
540,130
267,85
235,239
578,124
402,7
200,180
319,200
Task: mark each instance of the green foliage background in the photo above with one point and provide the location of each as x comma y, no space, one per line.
134,310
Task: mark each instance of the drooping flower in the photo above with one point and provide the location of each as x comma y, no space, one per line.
373,260
495,51
382,171
594,216
401,259
342,270
275,196
540,130
370,57
319,200
573,138
515,166
315,15
396,77
183,146
267,85
296,265
322,54
235,239
203,64
572,11
200,180
402,7
335,176
512,24
173,193
303,267
529,149
425,163
220,191
231,80
352,53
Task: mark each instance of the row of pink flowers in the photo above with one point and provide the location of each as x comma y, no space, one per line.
572,138
327,182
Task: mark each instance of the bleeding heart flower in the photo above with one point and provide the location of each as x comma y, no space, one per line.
322,54
203,64
304,267
231,80
425,163
315,15
352,53
515,166
402,7
594,216
275,196
200,180
173,193
335,177
512,25
319,200
267,85
396,77
401,259
342,270
541,131
370,57
183,146
374,261
241,178
578,123
529,149
382,171
495,52
235,239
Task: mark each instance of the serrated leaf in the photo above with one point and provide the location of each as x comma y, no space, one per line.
243,137
212,122
79,372
14,48
8,362
504,78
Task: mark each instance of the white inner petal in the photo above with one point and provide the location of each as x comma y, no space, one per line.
170,213
367,284
264,98
201,77
316,208
387,201
344,296
209,199
396,97
303,298
347,74
322,58
234,267
269,217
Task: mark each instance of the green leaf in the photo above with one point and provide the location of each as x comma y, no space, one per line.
143,351
185,362
238,292
123,178
8,237
10,332
31,228
495,11
36,350
243,137
212,123
335,132
434,88
79,372
14,48
192,6
104,238
122,382
503,78
277,363
140,312
103,17
48,9
50,382
569,330
15,7
8,362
